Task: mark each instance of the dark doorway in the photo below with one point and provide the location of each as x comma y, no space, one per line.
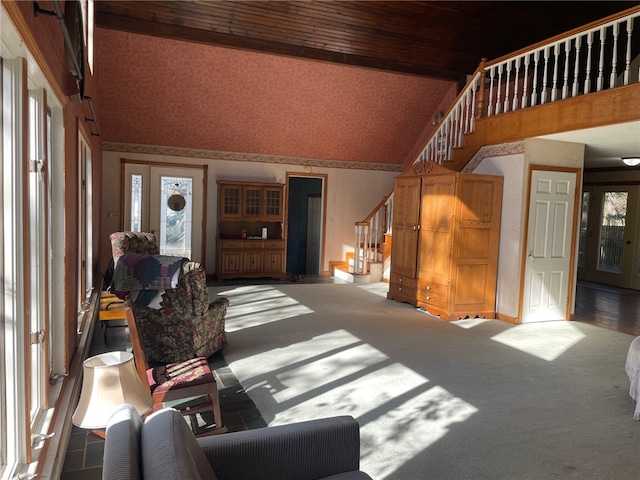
303,195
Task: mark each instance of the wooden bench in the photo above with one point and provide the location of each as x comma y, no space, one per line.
111,309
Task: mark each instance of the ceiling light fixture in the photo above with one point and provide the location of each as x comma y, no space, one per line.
631,161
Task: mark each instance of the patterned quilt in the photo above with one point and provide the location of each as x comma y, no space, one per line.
136,271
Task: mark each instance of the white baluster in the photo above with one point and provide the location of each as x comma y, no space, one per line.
543,94
614,60
565,86
627,67
525,82
534,89
514,102
498,94
576,67
490,101
472,116
460,114
506,88
468,119
554,88
587,79
601,62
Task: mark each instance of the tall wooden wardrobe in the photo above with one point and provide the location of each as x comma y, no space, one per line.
446,231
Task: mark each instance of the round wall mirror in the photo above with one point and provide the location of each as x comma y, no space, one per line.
176,202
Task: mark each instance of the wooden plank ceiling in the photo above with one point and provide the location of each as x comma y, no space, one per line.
442,39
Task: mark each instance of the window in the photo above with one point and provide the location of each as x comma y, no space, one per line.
85,231
31,125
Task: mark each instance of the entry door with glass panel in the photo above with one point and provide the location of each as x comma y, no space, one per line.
616,216
169,202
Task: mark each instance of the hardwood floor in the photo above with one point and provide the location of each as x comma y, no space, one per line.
608,307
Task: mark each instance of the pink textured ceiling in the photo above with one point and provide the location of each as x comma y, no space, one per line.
160,92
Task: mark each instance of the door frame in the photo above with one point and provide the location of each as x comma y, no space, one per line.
572,273
629,278
323,225
205,176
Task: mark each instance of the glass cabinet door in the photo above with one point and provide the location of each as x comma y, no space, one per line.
273,203
252,201
230,200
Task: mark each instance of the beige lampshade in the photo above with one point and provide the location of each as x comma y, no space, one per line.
110,380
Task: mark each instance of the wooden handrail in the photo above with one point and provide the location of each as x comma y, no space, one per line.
376,208
563,36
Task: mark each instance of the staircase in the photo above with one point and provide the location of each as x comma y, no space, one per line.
588,77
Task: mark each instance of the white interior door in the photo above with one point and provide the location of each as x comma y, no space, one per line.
168,201
549,247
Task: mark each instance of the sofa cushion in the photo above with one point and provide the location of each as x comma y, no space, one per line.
122,445
170,450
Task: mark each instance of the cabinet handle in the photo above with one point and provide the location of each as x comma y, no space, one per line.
428,297
400,280
399,289
428,287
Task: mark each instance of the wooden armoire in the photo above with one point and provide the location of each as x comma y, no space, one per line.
446,231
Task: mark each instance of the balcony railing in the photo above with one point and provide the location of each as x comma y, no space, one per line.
596,57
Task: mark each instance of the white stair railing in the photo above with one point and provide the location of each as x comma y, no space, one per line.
594,58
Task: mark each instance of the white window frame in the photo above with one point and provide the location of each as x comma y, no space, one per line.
20,73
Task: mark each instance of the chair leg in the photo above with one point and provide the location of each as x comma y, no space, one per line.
211,404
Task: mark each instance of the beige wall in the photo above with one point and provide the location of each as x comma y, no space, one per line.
511,167
514,167
351,195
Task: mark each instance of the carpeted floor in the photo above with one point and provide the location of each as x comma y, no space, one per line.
473,399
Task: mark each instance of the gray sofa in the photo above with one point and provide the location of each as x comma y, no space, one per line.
164,448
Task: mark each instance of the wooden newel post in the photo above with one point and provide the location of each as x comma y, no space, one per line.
483,75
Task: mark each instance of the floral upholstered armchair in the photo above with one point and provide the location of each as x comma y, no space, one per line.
186,325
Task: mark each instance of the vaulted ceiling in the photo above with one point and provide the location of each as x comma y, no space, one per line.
444,39
337,113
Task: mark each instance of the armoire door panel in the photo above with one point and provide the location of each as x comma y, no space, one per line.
473,243
476,197
471,283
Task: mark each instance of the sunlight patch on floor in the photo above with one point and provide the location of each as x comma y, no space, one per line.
409,429
545,340
378,288
468,323
252,306
302,352
399,413
326,370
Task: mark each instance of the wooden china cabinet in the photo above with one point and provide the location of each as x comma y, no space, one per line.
251,234
446,230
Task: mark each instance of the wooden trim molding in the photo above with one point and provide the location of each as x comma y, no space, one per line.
15,15
245,157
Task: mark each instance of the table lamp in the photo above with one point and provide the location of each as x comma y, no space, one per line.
110,380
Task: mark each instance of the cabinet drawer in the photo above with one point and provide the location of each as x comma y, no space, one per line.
252,244
402,289
402,280
274,244
230,243
433,293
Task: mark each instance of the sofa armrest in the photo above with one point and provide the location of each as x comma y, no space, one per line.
121,459
301,451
